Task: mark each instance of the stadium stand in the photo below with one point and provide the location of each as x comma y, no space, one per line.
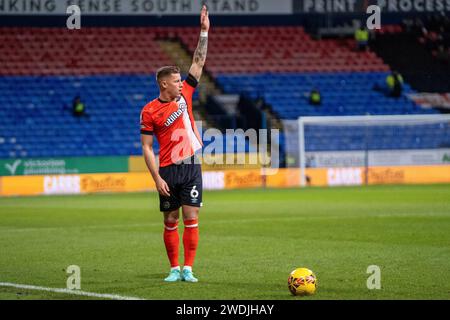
89,51
284,49
38,121
42,70
342,93
420,51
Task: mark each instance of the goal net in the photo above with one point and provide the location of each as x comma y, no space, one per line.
350,147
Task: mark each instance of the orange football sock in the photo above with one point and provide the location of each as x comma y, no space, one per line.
172,242
190,241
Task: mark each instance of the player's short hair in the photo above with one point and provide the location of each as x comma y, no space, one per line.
166,71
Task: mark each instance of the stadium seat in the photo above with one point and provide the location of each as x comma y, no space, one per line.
113,74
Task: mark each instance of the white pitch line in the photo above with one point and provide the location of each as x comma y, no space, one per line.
68,291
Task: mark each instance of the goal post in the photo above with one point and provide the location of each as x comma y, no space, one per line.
369,141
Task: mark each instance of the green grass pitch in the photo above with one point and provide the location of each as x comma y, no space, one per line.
250,240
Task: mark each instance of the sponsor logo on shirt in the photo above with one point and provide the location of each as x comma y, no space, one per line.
174,116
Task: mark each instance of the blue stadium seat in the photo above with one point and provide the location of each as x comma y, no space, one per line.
35,116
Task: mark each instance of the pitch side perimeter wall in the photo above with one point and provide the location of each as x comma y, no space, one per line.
225,179
112,164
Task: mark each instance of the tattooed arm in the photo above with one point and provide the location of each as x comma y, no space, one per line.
200,53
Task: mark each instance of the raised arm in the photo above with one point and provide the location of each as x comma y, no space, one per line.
199,58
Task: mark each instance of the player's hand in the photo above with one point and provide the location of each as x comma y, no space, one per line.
204,19
162,187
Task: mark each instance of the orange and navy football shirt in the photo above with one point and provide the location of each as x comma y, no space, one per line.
173,125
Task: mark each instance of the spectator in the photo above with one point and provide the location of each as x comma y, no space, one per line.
394,83
362,38
315,98
392,87
78,108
